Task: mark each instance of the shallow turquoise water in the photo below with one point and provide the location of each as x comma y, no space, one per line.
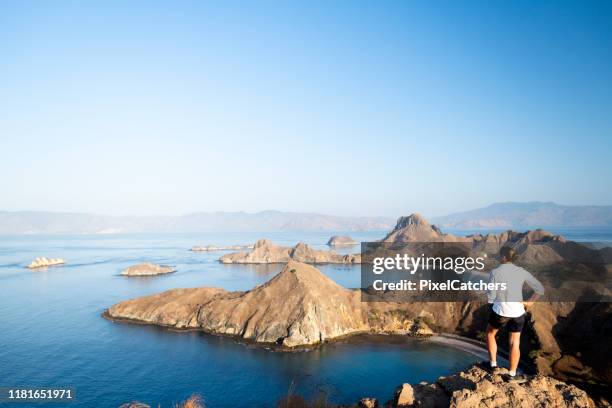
51,332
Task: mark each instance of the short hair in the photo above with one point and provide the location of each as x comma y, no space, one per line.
507,252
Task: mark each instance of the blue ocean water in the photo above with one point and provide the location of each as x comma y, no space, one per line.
52,334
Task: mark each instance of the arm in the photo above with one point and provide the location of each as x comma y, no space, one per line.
491,293
538,289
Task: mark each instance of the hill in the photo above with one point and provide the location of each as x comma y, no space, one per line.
43,222
530,214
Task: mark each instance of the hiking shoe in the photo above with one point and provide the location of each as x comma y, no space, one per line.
487,366
516,379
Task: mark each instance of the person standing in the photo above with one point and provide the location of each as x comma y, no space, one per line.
508,308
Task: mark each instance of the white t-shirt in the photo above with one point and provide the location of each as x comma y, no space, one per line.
508,303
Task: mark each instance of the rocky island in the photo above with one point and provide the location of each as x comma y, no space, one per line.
341,240
298,307
147,269
42,262
265,252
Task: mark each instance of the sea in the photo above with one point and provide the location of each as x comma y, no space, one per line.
52,334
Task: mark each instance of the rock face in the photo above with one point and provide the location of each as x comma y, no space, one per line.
476,388
341,240
265,251
214,248
147,269
299,306
42,262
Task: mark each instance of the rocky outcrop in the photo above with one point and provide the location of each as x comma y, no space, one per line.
214,248
265,251
341,240
42,262
415,228
299,306
477,388
147,269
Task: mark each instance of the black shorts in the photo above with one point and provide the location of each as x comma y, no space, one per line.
513,324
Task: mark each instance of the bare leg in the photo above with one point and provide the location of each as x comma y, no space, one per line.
492,343
515,350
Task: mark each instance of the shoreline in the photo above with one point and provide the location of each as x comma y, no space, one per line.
464,344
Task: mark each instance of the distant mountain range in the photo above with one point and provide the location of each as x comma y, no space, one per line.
42,222
499,215
528,215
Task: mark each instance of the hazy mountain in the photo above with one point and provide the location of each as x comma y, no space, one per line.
531,214
35,222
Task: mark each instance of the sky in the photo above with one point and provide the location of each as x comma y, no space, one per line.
344,107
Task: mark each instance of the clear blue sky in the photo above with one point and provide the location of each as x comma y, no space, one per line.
354,108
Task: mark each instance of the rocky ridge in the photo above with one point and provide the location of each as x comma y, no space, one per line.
265,251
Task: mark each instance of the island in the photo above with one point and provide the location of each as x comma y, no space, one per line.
147,269
298,307
43,262
267,252
341,240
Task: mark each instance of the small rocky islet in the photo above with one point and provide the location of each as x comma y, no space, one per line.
147,269
341,240
43,262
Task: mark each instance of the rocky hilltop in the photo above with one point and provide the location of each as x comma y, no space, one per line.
42,262
476,388
147,269
415,228
341,240
265,251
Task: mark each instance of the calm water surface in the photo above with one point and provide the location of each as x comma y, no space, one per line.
51,332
